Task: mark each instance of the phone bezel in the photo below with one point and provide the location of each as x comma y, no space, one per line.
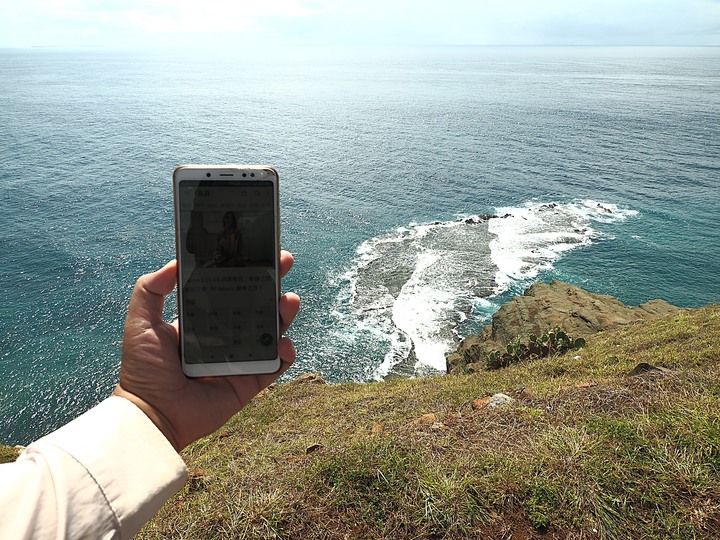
221,173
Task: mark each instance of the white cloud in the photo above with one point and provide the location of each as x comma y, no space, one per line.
237,8
152,23
516,22
190,16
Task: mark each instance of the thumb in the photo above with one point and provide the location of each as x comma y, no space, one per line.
148,297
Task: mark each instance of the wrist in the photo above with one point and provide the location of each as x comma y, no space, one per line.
155,416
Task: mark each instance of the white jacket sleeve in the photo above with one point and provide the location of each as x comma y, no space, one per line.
102,475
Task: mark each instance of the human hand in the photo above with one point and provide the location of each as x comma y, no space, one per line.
151,377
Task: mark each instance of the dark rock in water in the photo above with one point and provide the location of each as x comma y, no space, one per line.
544,306
478,219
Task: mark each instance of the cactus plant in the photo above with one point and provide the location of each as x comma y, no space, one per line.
554,341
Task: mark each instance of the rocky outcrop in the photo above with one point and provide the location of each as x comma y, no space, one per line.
544,306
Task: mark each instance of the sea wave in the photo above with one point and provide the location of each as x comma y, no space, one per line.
529,239
410,288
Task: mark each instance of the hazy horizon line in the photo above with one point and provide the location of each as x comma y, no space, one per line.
358,45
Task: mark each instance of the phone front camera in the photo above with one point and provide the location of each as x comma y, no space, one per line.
208,175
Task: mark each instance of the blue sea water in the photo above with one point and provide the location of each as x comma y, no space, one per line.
602,166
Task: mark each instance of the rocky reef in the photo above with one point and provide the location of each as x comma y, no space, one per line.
544,306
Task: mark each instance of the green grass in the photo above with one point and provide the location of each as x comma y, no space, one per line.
8,454
585,451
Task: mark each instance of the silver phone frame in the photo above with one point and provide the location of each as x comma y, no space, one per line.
200,172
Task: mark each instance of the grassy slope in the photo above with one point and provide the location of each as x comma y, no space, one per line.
585,451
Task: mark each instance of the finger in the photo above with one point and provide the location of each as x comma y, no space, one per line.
289,307
245,387
286,262
286,349
287,354
148,297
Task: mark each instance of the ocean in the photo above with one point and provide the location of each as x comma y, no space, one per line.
421,188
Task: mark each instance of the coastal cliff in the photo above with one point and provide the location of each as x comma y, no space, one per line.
545,306
618,440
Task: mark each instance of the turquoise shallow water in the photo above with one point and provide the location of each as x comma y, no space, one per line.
605,160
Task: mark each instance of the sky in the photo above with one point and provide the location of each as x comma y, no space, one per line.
227,23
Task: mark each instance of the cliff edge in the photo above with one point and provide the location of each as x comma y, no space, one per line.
544,306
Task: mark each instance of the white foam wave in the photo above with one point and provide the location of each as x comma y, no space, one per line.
411,288
602,212
531,238
421,309
416,284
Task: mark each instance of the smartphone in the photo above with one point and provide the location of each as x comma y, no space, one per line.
228,253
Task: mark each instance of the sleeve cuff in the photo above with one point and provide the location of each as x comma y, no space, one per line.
132,462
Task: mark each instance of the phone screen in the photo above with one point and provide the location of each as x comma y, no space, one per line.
228,288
